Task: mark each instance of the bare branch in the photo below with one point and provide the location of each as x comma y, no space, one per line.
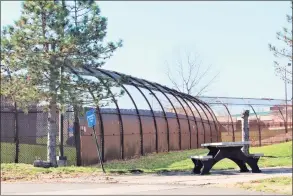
208,84
171,78
188,81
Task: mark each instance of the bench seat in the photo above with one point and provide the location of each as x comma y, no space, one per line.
202,157
256,155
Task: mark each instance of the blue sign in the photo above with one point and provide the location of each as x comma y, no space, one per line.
91,118
70,129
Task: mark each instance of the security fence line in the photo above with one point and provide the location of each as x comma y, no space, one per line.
194,119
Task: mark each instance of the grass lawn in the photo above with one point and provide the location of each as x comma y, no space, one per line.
280,185
275,155
29,152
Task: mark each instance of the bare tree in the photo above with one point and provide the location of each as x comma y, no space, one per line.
285,51
187,76
280,114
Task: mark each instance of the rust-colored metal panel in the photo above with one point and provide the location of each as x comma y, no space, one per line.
184,134
112,137
200,134
149,137
162,134
214,132
193,133
131,136
207,131
174,134
219,133
88,148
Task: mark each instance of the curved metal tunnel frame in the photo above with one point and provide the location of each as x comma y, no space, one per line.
141,83
233,129
208,108
285,122
258,124
99,115
191,100
118,110
136,109
179,124
167,123
156,125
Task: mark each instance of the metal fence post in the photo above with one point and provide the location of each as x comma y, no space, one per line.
16,135
77,136
61,136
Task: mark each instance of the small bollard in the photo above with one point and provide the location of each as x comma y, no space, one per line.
61,161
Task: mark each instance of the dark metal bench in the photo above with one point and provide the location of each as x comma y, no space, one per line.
200,161
229,150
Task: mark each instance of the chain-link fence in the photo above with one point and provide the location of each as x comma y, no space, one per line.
24,135
270,120
157,119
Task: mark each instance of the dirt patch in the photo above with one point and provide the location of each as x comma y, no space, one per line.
279,185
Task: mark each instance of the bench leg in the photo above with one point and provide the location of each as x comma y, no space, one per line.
197,166
252,162
207,166
241,165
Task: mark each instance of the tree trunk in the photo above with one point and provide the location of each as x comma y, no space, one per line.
52,120
52,133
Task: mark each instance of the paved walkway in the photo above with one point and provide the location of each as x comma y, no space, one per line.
114,189
174,183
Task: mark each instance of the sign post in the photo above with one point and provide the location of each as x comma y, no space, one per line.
91,121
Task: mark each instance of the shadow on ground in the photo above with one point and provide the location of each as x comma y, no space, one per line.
227,172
